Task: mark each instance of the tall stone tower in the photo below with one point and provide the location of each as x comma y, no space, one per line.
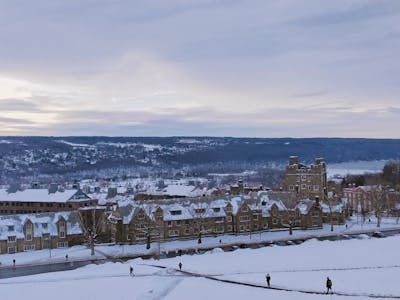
306,181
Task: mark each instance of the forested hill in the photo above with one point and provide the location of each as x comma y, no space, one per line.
24,156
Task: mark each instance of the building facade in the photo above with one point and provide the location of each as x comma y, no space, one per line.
31,201
29,232
139,222
306,181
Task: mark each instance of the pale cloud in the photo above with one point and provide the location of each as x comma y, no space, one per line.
18,105
255,68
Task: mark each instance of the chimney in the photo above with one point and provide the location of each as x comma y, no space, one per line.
317,200
293,160
112,192
240,185
53,188
35,185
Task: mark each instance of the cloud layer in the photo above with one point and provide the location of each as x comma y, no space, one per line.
204,67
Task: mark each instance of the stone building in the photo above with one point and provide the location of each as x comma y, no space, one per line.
28,232
306,181
141,221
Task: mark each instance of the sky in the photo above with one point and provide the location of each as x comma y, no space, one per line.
256,68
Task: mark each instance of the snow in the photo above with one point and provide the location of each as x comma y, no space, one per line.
50,219
37,195
179,190
336,208
76,145
5,142
150,147
353,265
192,141
242,174
354,168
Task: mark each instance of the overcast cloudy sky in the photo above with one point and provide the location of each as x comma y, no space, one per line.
200,67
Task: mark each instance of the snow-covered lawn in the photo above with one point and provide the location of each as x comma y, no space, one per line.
357,266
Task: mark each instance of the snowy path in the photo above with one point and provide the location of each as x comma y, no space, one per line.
279,288
360,269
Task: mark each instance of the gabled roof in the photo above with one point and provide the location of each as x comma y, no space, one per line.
127,210
42,195
185,214
43,223
304,206
336,208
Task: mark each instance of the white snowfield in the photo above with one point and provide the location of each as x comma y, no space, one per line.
358,268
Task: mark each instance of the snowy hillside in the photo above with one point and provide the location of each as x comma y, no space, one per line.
357,267
109,156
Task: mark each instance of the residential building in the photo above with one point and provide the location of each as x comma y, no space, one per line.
139,221
42,200
26,232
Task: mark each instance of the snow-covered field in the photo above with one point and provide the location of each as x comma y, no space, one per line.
357,267
355,168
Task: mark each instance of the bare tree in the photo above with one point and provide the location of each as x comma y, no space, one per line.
329,202
379,198
92,223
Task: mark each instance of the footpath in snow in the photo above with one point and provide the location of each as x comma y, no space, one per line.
362,268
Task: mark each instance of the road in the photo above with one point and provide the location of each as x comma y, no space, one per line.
24,270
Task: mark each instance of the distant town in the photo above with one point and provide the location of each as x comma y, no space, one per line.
35,216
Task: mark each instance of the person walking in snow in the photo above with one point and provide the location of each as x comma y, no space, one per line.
131,270
328,285
268,278
180,266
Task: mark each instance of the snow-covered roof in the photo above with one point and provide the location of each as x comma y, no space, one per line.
127,211
191,208
336,208
42,195
176,212
304,206
43,223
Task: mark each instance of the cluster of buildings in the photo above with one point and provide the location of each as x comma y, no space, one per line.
138,221
37,218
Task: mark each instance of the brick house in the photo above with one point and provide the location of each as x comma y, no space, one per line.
31,201
359,198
